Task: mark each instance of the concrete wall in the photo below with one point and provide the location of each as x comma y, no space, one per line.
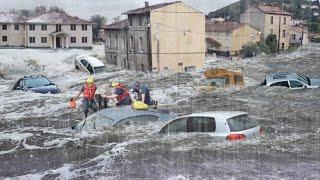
116,55
14,37
244,35
180,32
138,55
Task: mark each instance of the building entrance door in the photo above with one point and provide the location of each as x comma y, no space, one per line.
58,42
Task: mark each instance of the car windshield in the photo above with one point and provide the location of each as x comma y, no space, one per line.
99,69
36,82
304,79
240,123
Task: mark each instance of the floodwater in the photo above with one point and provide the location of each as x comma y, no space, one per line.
36,140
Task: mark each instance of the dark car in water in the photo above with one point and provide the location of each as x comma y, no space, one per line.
38,84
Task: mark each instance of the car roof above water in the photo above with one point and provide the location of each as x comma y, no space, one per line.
280,77
92,60
218,114
122,112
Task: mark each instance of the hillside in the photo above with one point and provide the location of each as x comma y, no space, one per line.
299,8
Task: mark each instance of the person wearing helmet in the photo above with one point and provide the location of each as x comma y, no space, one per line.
88,90
121,94
143,93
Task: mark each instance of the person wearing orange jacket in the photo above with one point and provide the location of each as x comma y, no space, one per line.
88,90
121,94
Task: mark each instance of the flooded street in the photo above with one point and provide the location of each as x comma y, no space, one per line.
36,140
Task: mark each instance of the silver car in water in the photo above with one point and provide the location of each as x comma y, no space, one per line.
123,116
230,125
291,80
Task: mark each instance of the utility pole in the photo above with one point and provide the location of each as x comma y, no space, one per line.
158,47
279,33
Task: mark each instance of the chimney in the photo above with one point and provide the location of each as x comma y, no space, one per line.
146,4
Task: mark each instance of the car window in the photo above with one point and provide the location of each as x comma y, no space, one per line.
240,123
36,82
99,69
200,124
96,120
90,68
304,79
296,84
137,120
281,83
84,62
218,81
238,79
178,125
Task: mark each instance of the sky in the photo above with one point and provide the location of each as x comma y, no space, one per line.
108,8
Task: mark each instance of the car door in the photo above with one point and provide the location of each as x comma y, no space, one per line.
296,84
280,83
176,126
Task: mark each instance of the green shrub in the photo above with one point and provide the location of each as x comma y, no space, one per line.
249,50
264,47
272,42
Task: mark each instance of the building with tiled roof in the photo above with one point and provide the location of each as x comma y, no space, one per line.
269,20
48,30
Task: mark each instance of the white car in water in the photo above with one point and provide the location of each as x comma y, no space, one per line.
230,125
89,64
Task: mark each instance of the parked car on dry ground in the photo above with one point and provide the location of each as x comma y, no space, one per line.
230,125
89,64
38,84
123,116
291,80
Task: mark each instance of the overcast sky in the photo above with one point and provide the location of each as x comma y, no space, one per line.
108,8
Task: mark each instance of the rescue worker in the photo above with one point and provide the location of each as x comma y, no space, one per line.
143,92
121,94
101,102
88,91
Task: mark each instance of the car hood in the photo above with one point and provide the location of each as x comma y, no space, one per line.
45,89
315,82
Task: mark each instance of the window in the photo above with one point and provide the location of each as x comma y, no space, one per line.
84,62
130,22
16,27
140,44
43,27
32,40
271,31
43,39
293,36
131,42
116,42
271,20
4,38
73,39
84,27
238,79
296,84
284,33
137,120
90,68
58,27
190,124
140,20
281,83
282,46
73,27
240,123
32,27
284,20
84,39
4,27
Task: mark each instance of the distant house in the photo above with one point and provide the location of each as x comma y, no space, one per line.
299,36
269,20
166,36
49,30
222,37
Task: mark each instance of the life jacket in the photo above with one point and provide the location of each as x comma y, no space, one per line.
125,93
89,91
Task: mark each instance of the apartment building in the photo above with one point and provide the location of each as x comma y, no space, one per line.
269,20
49,30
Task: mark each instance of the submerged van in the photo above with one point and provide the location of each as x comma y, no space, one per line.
223,77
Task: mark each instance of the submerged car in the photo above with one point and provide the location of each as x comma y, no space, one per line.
123,116
223,77
89,64
291,80
38,84
230,125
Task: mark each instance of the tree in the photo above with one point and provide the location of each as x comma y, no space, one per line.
39,10
98,22
272,42
56,9
249,50
314,27
116,19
